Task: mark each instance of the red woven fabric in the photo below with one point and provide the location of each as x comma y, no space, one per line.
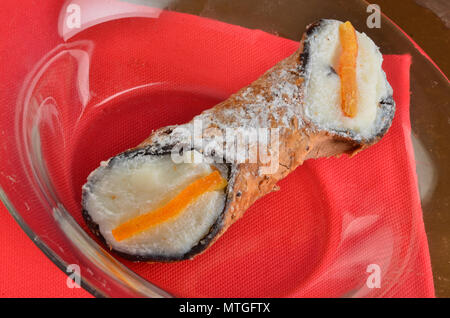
24,270
317,236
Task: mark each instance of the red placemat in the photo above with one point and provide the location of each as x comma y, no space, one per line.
24,270
332,219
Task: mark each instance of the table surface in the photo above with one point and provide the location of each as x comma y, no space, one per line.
428,24
426,21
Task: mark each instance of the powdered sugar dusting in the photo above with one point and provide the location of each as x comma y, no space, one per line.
269,103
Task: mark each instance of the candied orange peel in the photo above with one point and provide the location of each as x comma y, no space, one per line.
347,69
211,182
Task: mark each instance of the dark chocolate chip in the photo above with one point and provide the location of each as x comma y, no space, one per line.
332,71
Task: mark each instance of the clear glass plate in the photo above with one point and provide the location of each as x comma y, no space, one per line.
28,186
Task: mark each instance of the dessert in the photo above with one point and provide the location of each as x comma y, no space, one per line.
175,194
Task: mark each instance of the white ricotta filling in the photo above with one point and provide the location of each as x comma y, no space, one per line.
138,185
322,92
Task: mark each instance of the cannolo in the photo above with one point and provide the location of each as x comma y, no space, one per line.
175,194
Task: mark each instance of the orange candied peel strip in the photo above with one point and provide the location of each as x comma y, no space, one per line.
347,69
213,181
